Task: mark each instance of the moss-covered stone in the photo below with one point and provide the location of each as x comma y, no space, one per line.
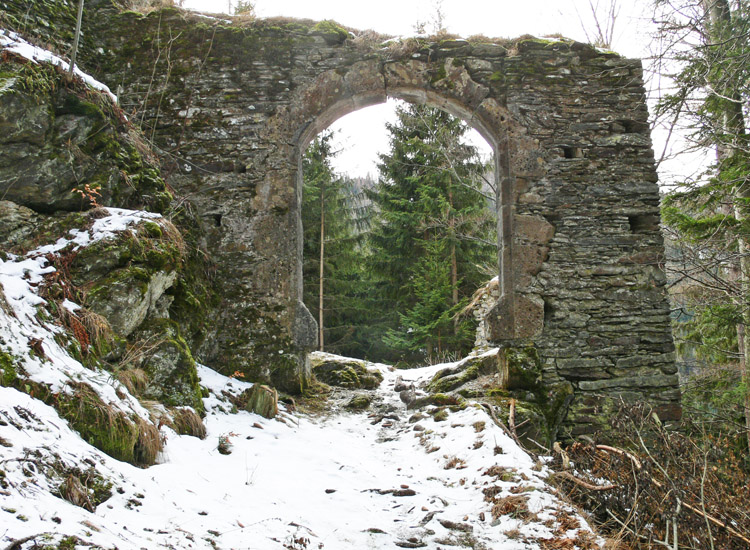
171,369
523,367
263,400
102,425
125,297
465,371
74,143
344,372
359,402
331,31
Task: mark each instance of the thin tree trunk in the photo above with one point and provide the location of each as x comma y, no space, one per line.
718,16
454,274
454,262
322,258
76,38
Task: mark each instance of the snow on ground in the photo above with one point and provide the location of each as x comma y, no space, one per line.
334,482
13,42
20,326
383,478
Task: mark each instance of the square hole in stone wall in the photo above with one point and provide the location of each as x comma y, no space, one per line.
572,152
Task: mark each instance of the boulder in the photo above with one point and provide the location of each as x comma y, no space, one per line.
16,224
263,400
171,369
75,149
344,372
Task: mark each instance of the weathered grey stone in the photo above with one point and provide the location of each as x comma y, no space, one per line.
468,369
126,300
580,368
359,402
56,142
305,329
344,371
17,223
171,369
654,380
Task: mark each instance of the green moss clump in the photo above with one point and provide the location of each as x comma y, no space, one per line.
359,402
524,368
153,229
448,400
351,374
35,79
329,27
75,105
103,426
10,375
443,384
440,415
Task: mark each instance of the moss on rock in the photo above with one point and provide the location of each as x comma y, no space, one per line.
172,371
121,436
466,370
359,402
76,146
7,363
263,400
344,372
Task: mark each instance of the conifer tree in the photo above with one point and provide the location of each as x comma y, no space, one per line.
334,281
711,217
431,232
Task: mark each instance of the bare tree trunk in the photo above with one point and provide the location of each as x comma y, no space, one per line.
454,262
718,16
322,258
76,38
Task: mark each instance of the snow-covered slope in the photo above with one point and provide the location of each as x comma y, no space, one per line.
385,477
345,481
12,42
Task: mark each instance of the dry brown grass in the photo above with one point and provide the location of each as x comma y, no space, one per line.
501,472
134,379
187,422
148,444
74,492
585,540
454,462
96,325
479,295
516,506
566,522
369,40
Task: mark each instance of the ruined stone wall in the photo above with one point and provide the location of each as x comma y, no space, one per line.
232,105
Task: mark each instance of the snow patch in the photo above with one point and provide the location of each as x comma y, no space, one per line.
13,42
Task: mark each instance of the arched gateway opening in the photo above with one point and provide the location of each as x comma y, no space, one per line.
333,96
399,232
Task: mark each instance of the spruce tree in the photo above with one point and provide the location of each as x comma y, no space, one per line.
334,281
710,218
431,233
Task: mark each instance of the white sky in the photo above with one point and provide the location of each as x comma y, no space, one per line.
361,135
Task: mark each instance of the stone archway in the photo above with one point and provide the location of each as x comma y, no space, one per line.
569,125
334,94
